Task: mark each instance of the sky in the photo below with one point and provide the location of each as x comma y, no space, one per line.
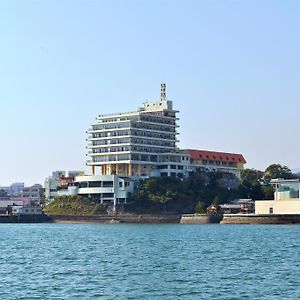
232,69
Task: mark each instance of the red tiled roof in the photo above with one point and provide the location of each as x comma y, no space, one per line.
216,156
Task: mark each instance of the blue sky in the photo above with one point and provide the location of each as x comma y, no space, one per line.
232,68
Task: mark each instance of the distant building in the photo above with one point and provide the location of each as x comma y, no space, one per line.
4,195
59,180
14,189
215,161
33,194
286,198
5,206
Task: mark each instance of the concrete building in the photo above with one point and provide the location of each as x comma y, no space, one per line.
4,195
33,194
59,180
105,188
215,161
286,198
139,143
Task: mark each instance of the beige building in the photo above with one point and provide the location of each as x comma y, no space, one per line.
286,198
215,161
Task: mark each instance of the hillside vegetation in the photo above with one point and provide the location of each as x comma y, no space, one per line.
74,205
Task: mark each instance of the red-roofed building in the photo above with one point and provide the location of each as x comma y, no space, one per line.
216,161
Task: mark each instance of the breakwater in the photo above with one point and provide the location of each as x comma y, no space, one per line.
260,219
124,218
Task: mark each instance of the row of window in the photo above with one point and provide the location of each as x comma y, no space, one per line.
95,184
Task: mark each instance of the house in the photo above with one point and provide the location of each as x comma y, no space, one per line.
238,206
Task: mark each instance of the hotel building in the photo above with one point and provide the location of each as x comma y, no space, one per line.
140,143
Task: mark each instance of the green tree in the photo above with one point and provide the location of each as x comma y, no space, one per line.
200,208
251,175
278,171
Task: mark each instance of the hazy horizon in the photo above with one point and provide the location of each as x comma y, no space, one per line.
231,68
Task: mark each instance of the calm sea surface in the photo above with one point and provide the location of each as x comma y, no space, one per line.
78,261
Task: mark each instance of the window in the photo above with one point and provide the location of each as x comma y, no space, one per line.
107,184
107,195
270,210
95,184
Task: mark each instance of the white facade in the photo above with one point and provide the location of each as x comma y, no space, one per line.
105,188
140,143
286,198
26,210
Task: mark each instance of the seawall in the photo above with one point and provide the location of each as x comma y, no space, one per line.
200,219
24,219
260,219
126,218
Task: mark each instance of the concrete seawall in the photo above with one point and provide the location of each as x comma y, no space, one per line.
260,219
24,219
126,218
200,219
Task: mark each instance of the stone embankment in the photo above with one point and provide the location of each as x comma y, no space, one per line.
112,219
200,219
260,219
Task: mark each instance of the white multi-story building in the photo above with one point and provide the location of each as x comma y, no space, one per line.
140,143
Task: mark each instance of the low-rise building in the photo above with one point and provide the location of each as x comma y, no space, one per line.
59,180
215,161
26,210
286,198
105,188
238,206
33,194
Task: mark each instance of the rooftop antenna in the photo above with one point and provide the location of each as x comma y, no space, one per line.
163,95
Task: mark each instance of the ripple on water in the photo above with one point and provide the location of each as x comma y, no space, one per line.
85,261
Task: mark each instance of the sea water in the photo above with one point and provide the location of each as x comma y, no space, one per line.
144,261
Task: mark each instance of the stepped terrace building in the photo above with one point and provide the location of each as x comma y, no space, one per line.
139,143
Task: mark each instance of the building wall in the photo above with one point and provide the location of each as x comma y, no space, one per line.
289,206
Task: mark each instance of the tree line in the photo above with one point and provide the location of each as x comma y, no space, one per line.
201,189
